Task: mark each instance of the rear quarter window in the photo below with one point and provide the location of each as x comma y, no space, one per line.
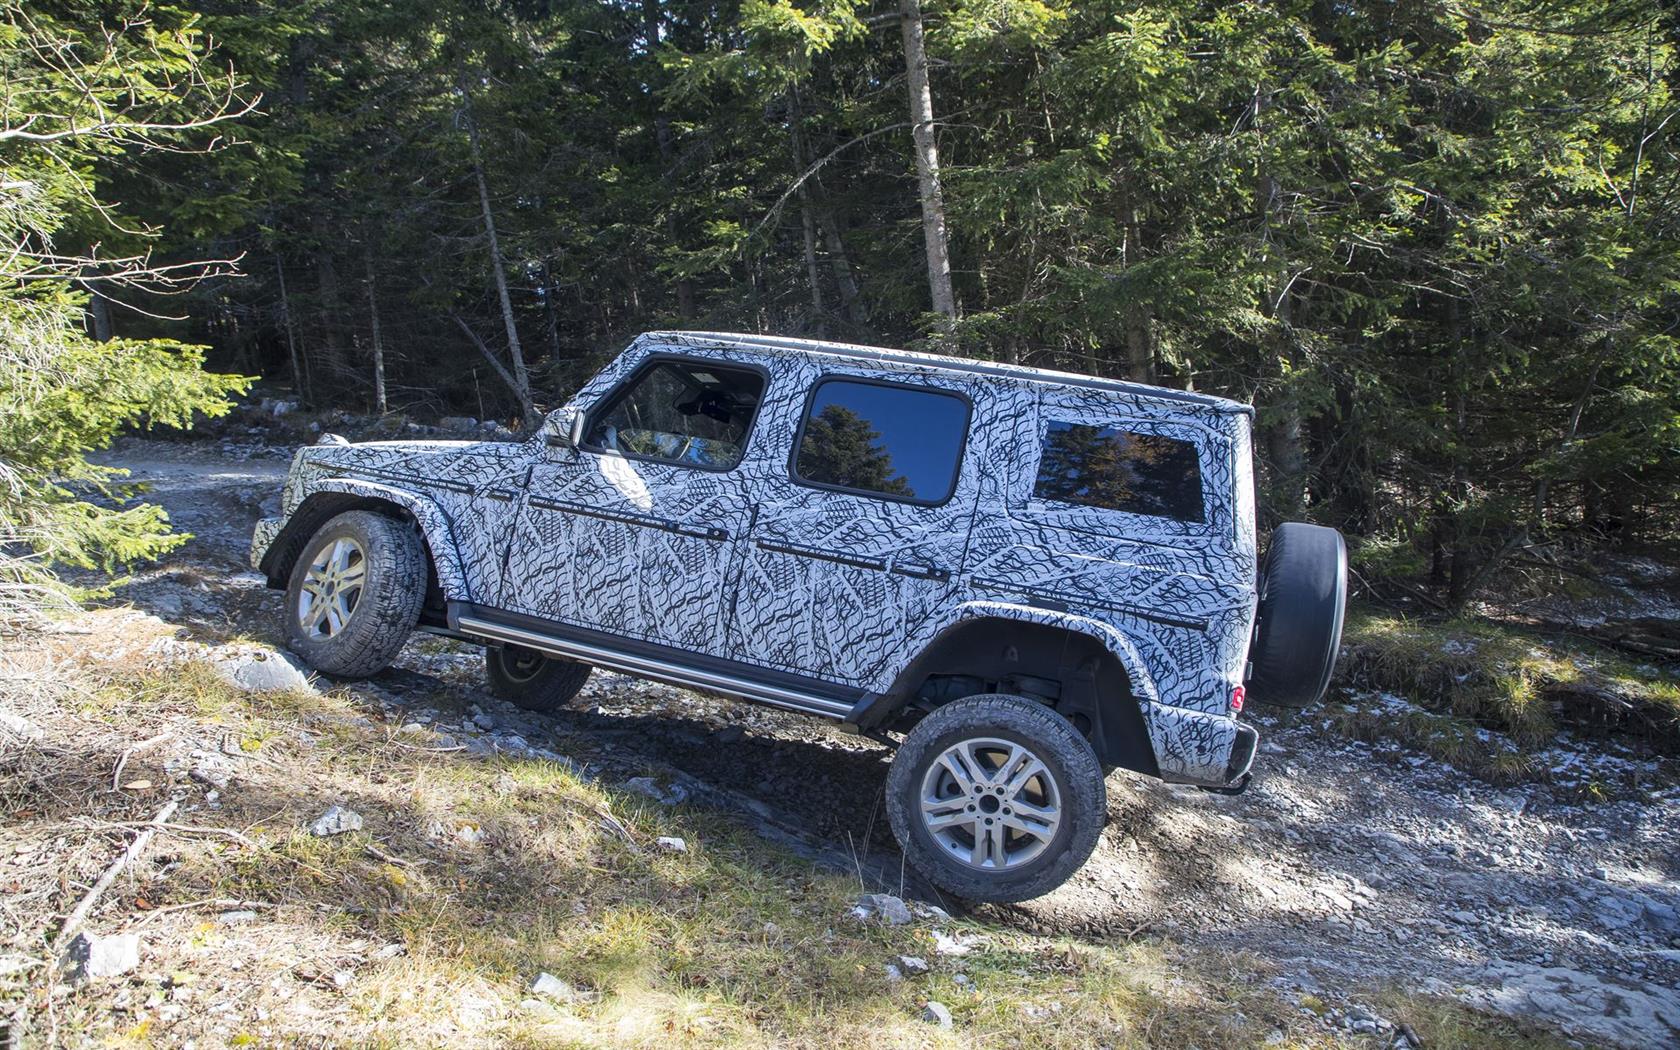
1114,468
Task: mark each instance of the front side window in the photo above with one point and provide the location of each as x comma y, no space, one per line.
689,412
899,442
1122,470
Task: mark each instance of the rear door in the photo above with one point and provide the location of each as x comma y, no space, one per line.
855,540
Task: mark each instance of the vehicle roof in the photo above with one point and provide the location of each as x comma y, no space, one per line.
885,355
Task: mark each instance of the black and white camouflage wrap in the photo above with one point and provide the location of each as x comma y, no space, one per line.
751,566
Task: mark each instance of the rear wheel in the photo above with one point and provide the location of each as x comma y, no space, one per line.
355,594
533,680
996,798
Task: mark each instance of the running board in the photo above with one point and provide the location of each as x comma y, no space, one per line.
649,667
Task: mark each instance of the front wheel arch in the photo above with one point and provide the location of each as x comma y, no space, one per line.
333,497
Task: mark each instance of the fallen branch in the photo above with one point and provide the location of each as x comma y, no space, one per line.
207,902
379,854
134,749
132,853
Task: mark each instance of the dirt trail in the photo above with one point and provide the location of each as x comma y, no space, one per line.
1345,867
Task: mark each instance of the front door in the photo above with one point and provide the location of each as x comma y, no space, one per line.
634,533
855,540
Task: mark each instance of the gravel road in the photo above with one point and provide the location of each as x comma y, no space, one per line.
1345,868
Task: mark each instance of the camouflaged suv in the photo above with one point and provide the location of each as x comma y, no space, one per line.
1019,579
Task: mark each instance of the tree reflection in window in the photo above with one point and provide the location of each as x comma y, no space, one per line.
841,448
1120,470
901,442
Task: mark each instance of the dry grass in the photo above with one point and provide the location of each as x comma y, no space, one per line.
1442,1024
1470,676
470,877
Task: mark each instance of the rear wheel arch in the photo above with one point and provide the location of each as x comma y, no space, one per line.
1074,672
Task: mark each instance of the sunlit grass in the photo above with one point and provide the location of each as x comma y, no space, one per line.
410,932
1466,675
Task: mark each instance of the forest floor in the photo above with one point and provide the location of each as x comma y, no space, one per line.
1365,891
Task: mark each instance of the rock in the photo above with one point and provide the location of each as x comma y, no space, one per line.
894,974
963,980
483,721
469,835
236,916
1663,916
210,769
883,906
671,844
649,787
937,1013
458,423
90,957
949,944
552,987
264,671
18,727
730,735
1604,1009
912,964
1616,913
336,821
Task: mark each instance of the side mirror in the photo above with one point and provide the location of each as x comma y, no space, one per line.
563,429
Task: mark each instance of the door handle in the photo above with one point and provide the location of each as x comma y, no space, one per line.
921,571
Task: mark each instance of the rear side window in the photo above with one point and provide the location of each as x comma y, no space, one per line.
896,442
1122,470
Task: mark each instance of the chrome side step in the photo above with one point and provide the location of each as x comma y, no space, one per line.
659,670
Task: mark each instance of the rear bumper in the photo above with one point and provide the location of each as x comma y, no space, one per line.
1195,747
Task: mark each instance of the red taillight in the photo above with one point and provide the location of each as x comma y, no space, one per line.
1237,695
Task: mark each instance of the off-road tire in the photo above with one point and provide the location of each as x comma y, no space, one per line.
1071,761
1298,630
392,592
533,680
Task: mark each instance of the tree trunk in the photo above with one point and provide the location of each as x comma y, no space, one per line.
521,377
1140,324
99,316
808,221
652,36
328,301
551,315
927,160
521,394
379,405
300,381
838,261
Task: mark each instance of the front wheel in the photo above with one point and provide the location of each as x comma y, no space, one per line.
531,679
996,798
355,594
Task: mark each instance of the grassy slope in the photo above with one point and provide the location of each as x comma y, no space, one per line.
410,932
1469,675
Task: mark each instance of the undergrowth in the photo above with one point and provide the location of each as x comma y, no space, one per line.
1487,697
